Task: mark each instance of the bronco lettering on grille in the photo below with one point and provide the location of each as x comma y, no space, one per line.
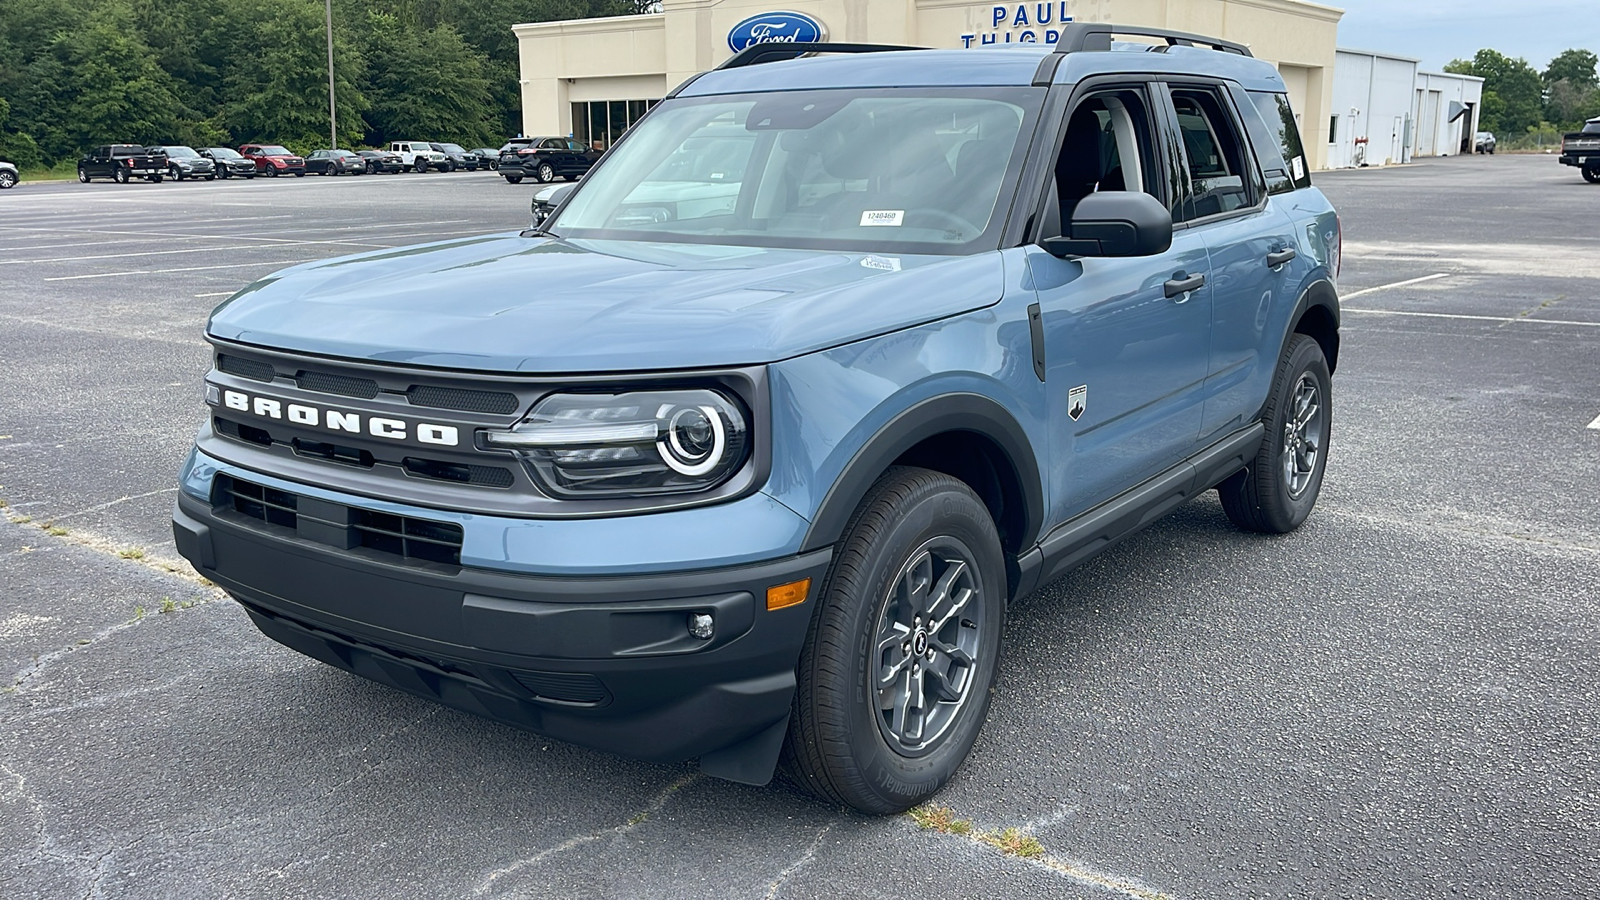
339,420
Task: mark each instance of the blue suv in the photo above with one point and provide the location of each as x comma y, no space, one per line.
741,453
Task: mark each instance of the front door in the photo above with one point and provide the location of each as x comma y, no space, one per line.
1126,354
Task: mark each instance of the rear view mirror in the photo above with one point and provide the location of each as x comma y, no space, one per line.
1115,223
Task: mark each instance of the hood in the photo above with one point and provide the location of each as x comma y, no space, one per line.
507,303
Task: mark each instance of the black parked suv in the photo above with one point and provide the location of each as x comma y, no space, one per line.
457,158
545,159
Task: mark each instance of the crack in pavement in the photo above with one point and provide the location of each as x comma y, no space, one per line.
633,822
800,863
108,505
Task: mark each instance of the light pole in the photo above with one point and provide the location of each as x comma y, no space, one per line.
333,115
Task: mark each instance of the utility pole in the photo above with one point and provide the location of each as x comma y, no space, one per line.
333,114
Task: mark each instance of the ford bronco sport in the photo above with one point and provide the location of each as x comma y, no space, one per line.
743,462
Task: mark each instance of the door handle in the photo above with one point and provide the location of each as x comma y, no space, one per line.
1181,285
1278,257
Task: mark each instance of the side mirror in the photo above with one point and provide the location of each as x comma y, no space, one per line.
1115,223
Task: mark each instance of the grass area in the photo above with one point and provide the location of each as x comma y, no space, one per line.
67,170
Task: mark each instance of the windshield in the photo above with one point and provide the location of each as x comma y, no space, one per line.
273,150
913,170
224,153
181,152
452,148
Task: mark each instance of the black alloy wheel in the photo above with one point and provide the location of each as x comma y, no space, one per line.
895,674
1276,492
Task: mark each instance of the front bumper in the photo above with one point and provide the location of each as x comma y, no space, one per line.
601,661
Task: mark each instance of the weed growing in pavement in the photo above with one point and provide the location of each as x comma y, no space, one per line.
1013,842
941,819
138,613
131,553
167,605
53,530
23,520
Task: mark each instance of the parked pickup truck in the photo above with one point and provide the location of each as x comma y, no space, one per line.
1582,149
119,162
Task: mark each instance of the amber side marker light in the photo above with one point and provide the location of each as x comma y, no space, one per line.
791,594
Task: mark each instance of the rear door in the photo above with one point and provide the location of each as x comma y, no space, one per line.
1126,354
1249,241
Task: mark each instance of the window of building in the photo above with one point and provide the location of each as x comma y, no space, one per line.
600,123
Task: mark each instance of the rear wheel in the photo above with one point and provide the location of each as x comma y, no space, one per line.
514,179
8,179
1591,175
120,176
211,178
1276,492
547,173
156,179
895,674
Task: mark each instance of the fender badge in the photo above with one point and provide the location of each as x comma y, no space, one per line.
1077,401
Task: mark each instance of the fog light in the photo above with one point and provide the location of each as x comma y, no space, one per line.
790,594
701,625
213,394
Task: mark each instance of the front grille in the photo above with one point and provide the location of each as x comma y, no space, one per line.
499,402
565,687
268,505
245,368
343,385
345,527
460,473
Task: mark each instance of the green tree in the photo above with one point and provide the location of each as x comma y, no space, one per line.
1577,67
276,89
110,87
426,84
1513,92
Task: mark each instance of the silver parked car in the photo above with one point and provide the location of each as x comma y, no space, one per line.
1484,142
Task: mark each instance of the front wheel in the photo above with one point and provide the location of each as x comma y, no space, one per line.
175,173
8,179
895,674
83,176
156,179
513,179
422,167
1276,492
211,178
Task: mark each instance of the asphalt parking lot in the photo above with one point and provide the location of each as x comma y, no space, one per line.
1399,700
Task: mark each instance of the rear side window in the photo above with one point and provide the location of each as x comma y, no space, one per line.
1277,138
1220,176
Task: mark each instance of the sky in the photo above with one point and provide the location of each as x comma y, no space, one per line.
1437,31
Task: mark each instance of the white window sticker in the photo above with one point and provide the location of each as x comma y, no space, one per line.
881,263
1299,168
883,217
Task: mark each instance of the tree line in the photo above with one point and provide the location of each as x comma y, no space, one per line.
1519,99
77,73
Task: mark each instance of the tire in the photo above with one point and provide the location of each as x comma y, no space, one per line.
422,167
120,176
914,526
272,171
8,179
157,179
1265,497
1592,176
300,174
514,179
547,173
450,167
211,178
83,177
174,174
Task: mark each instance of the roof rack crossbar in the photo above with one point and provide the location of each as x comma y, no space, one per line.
1081,36
756,54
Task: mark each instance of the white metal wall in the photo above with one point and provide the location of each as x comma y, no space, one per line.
1372,102
1436,134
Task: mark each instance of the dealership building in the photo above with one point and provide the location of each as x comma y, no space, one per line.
1386,111
592,78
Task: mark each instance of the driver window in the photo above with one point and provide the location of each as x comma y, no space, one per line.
1108,146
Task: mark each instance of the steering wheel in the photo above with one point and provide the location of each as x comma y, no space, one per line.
949,218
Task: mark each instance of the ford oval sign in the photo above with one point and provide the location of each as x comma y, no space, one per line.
776,28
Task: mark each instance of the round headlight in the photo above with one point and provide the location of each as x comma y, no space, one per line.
694,441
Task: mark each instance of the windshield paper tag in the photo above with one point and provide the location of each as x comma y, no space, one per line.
883,217
881,263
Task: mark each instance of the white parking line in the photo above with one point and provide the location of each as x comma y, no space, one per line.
1595,424
1385,287
277,262
218,294
1504,320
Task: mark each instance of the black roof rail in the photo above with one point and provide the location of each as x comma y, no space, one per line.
756,54
1079,37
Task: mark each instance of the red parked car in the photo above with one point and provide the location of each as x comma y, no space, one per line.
270,159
